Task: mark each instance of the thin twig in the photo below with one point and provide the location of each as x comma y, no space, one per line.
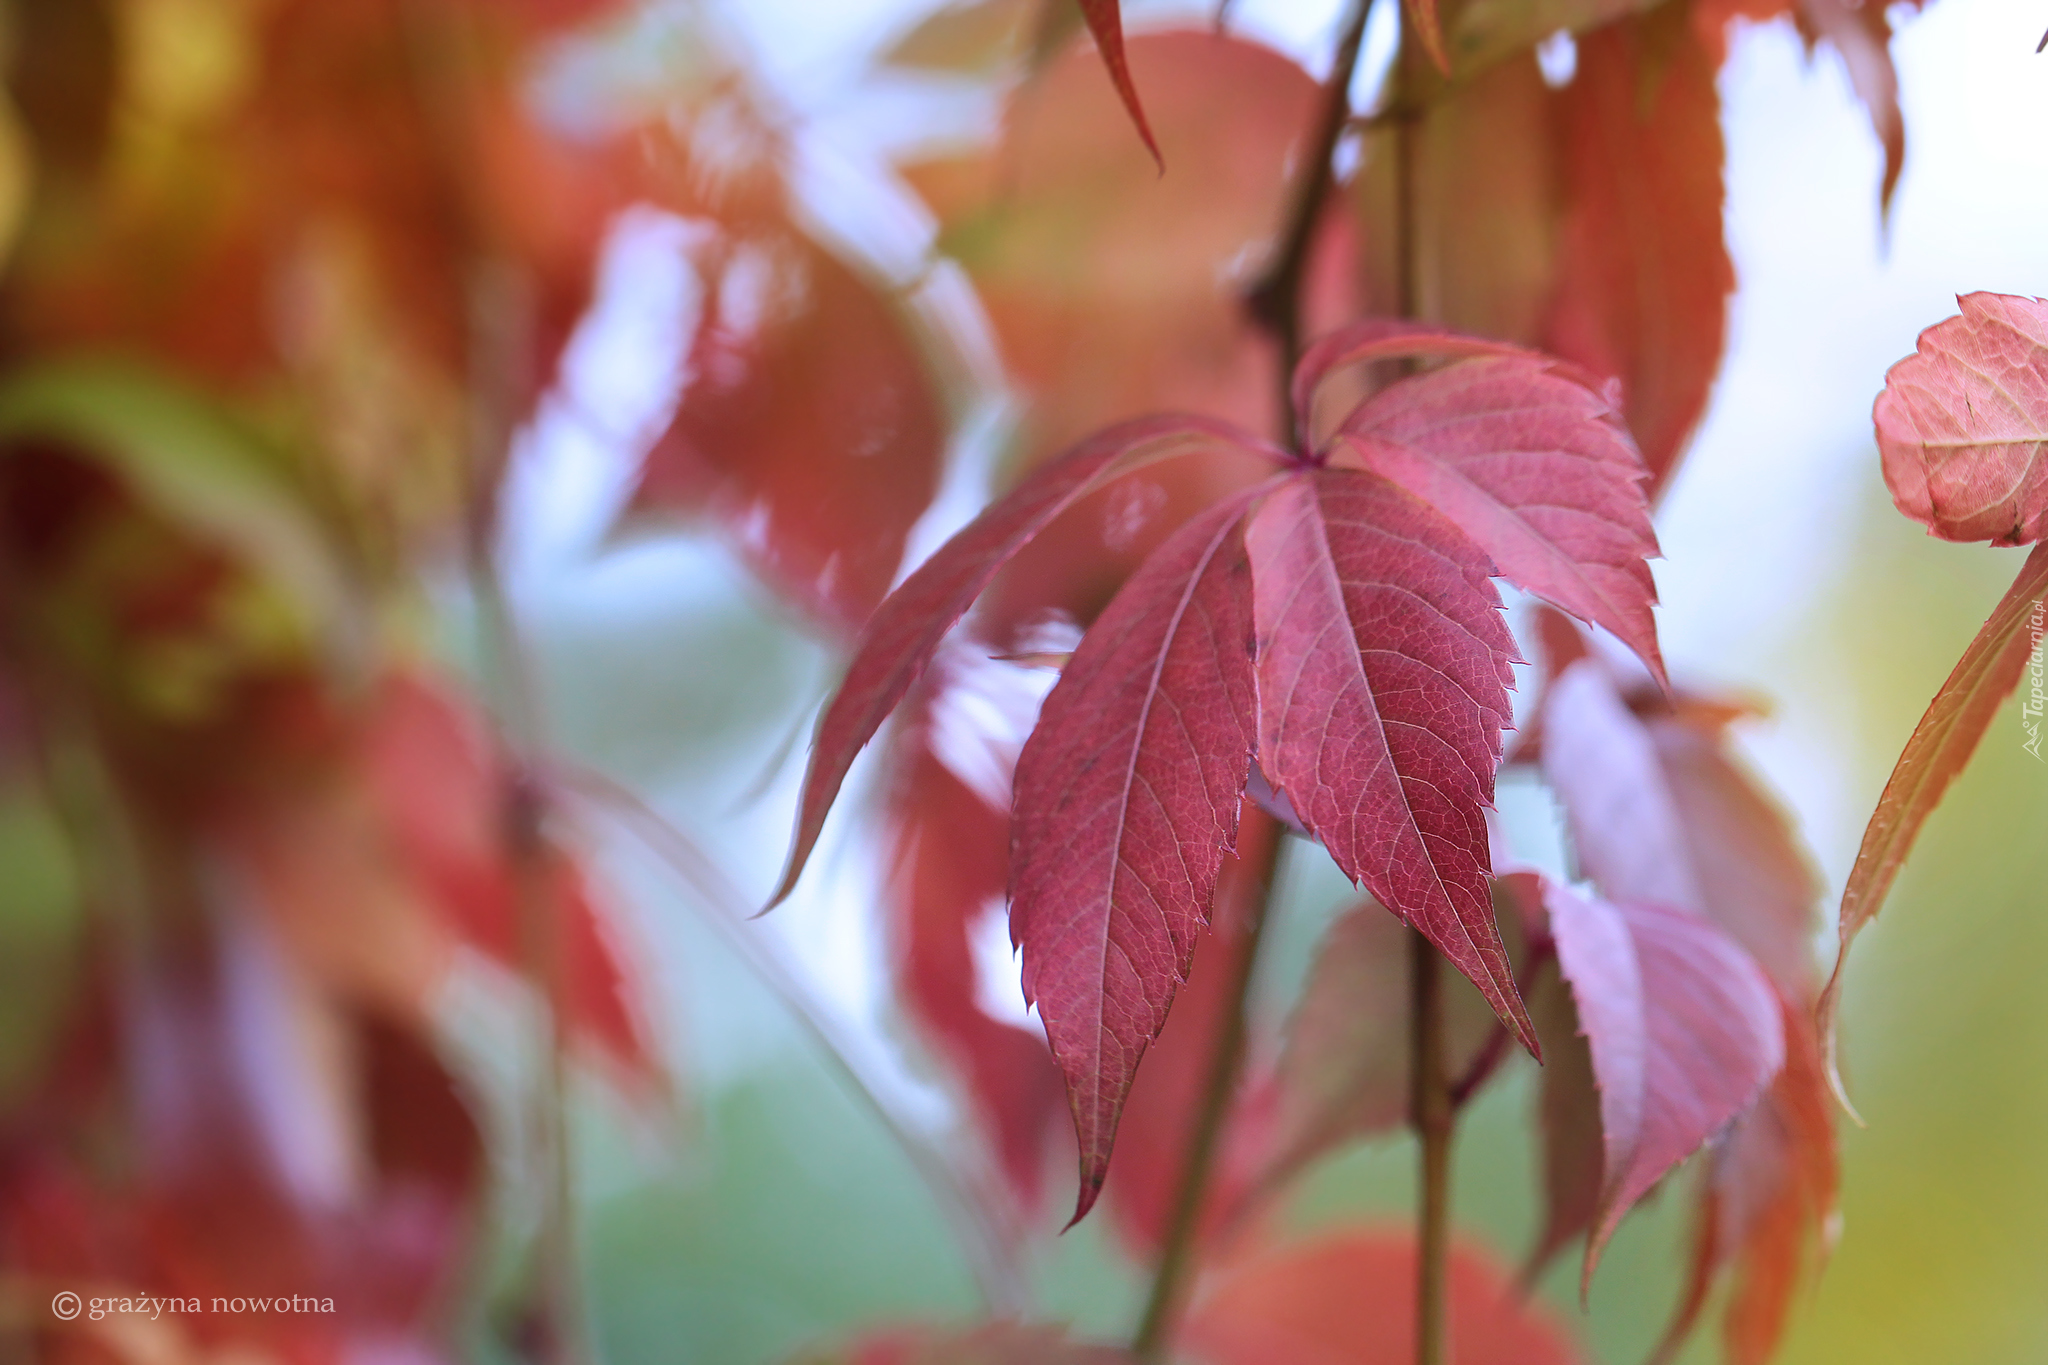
1275,300
986,1236
1176,1259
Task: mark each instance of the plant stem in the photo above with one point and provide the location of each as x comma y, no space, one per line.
1275,301
1431,1113
1176,1259
1432,1106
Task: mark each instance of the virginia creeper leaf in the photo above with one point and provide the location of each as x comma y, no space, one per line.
1379,339
1115,291
1862,33
1568,1110
906,629
1963,423
1347,1298
1105,22
1684,1030
1384,669
1424,24
1167,1098
1941,744
1643,275
811,421
1770,1184
1485,31
1127,797
1535,468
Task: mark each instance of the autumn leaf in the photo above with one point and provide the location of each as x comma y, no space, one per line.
1384,668
905,631
949,865
1962,423
1684,1031
1106,24
1346,1298
810,421
1536,469
1643,275
1127,799
1941,744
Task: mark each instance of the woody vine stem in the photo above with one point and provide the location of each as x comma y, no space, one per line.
1274,303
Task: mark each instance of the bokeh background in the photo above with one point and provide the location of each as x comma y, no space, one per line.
772,1208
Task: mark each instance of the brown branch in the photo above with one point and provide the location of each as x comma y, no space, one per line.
1275,300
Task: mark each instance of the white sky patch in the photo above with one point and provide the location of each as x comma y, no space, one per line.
998,970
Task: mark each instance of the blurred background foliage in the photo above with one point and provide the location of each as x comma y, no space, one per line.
247,613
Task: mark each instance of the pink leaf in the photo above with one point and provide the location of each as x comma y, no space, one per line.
1384,669
1684,1030
1127,799
1536,468
1105,22
906,629
1963,423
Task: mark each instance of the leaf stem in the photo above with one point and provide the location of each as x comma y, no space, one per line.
1176,1259
1275,300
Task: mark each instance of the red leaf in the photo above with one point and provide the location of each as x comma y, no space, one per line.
1379,339
1644,275
1963,423
1348,1299
1167,1096
1113,291
906,629
1684,1029
950,863
1770,1186
811,421
1384,669
1939,747
1105,22
1127,797
1535,468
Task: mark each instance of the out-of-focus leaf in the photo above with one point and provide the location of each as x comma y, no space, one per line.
970,38
950,866
1348,1299
1862,33
1963,423
810,421
1769,1185
380,863
1684,1029
1939,747
1384,669
1127,800
1344,1073
1116,291
1483,32
906,630
1644,276
181,451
